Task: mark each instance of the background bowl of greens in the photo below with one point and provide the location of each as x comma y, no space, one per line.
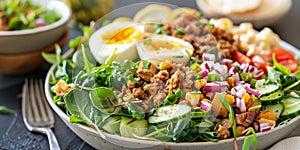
27,27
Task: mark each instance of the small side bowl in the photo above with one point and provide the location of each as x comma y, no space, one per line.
26,62
25,41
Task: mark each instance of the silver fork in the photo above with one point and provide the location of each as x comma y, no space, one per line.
37,115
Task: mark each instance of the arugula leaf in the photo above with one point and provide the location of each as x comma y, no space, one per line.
250,140
280,67
4,109
226,104
74,43
87,65
53,58
110,59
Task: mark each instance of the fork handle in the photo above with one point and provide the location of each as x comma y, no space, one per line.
53,144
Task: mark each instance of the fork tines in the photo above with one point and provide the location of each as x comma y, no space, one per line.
36,109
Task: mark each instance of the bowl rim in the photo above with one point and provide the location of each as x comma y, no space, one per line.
295,121
66,14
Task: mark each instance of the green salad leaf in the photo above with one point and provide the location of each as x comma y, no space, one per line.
4,109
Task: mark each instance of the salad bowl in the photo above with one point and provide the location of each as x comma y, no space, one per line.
105,100
113,142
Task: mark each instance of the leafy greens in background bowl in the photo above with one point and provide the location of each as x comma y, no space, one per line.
86,102
28,32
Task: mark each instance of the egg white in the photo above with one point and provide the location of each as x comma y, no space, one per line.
177,55
102,51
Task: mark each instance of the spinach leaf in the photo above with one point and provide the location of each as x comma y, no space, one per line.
79,104
104,100
135,110
76,119
83,80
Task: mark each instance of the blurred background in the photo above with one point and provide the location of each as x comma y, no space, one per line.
283,23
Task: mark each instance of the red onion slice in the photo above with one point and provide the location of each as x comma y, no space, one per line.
205,105
252,91
204,73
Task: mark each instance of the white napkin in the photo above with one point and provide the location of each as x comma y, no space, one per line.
292,143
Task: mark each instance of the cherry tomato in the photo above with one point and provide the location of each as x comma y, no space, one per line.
282,54
260,63
292,64
240,57
285,58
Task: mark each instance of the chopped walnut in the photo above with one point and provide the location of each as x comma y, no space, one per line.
62,87
138,93
162,75
223,132
146,72
174,82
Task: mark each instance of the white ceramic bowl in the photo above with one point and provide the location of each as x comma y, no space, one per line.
114,142
24,41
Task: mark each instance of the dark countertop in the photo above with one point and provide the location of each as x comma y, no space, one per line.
13,133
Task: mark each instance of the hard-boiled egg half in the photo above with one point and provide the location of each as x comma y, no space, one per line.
119,36
159,48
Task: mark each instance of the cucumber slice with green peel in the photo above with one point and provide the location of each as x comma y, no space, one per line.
170,112
112,124
268,89
291,107
275,109
272,98
129,128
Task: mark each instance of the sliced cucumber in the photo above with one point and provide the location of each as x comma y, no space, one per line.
170,112
291,107
268,89
133,129
272,98
275,109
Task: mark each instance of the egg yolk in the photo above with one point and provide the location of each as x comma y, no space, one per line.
123,36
